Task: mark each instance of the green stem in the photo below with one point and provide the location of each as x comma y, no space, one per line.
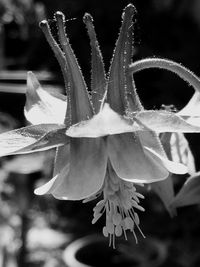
166,64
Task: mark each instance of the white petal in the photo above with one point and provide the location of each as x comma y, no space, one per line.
193,106
32,138
180,151
171,166
163,121
106,122
42,107
45,189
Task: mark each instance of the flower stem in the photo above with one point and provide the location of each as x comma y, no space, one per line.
166,64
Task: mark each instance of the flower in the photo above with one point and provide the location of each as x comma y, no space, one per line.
106,142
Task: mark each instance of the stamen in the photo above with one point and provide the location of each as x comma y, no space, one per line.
120,201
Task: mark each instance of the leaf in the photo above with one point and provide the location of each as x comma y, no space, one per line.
189,194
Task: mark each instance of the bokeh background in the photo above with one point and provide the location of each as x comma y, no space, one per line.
34,231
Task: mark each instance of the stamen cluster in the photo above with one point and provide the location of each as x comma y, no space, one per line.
119,202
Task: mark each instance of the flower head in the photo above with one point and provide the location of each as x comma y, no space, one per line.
106,142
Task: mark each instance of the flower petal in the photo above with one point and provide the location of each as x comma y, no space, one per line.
42,107
189,194
62,158
130,161
32,138
82,178
106,122
163,121
151,144
171,166
193,106
44,189
180,152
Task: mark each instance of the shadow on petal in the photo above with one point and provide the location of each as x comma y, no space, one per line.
85,173
131,163
171,166
106,122
62,158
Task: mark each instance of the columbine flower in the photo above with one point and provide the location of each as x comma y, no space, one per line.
105,143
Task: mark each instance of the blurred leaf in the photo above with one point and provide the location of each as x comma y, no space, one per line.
46,238
26,164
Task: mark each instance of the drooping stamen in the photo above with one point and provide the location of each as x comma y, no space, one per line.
120,200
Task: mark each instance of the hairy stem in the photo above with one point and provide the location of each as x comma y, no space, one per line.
166,64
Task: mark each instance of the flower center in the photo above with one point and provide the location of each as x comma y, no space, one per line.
119,202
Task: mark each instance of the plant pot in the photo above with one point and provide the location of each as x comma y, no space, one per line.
94,251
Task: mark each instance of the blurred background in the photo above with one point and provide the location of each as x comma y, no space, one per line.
35,231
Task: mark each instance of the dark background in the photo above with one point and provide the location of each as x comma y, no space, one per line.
168,28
